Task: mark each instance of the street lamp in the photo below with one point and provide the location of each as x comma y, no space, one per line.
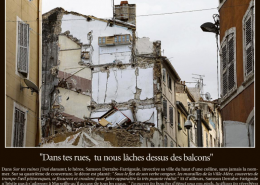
211,27
188,125
214,28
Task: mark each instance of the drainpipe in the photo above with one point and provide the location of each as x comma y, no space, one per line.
199,128
39,68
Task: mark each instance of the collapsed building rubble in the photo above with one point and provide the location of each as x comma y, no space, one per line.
113,130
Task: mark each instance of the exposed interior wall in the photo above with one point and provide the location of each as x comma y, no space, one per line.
144,46
80,29
76,105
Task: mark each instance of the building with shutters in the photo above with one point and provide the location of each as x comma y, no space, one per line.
23,61
237,38
188,101
169,114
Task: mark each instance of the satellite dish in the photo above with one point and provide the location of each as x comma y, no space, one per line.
208,96
30,85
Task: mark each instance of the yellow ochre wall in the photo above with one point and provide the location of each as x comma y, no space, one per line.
29,11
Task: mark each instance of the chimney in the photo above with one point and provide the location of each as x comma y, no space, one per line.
126,12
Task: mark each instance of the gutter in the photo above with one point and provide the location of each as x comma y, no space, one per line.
172,68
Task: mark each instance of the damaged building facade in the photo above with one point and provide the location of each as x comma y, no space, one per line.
92,65
103,84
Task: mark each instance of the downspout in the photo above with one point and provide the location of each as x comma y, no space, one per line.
40,68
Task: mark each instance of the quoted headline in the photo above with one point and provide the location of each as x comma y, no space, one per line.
127,157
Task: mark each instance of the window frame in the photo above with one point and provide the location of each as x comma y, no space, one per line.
169,81
179,118
250,10
165,142
165,107
171,115
184,120
164,75
17,71
23,109
229,34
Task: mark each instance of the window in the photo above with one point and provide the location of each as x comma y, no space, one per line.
248,40
184,120
115,39
99,40
228,62
164,75
169,82
211,144
171,115
196,138
179,118
127,38
191,135
104,40
119,38
165,108
123,38
23,48
165,141
206,140
19,126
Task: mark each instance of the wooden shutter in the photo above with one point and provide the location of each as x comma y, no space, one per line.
249,47
231,61
165,108
23,47
18,137
224,69
164,75
171,115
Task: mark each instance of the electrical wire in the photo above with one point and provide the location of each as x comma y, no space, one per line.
188,11
177,12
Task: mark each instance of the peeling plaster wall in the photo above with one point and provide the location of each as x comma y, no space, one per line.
76,104
111,54
144,46
122,85
68,64
68,60
80,29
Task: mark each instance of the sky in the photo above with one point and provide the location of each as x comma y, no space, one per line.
190,50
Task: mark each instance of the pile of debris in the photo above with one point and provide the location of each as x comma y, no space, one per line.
82,137
113,129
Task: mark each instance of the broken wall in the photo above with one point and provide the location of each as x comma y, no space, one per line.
80,27
122,85
50,31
